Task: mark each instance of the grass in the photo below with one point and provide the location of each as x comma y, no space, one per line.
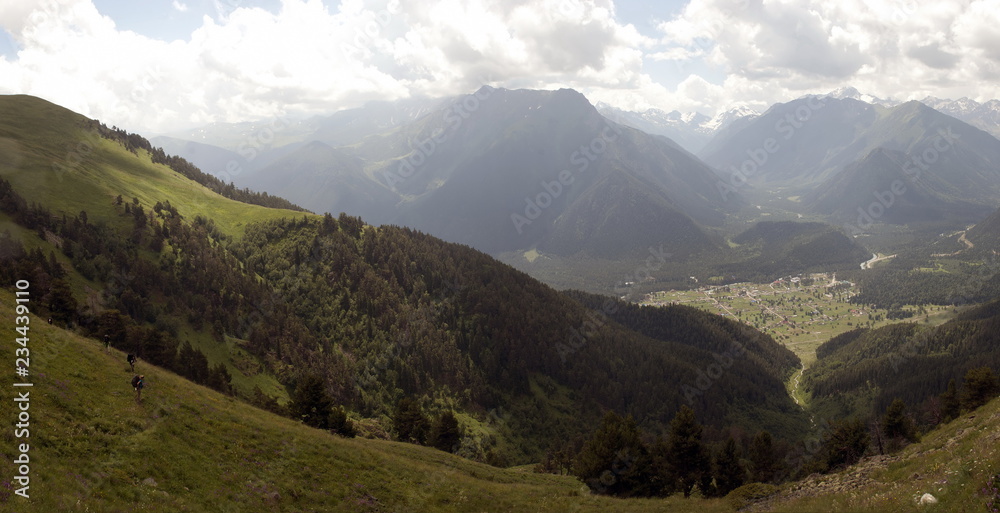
952,462
51,159
188,448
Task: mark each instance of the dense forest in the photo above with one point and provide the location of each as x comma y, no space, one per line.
421,317
862,371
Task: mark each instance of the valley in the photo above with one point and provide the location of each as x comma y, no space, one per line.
500,257
800,312
634,290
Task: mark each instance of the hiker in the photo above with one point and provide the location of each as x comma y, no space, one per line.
107,342
137,384
131,361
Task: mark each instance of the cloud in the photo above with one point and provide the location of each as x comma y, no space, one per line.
899,48
247,63
179,6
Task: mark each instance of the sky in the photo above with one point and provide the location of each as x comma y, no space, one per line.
158,66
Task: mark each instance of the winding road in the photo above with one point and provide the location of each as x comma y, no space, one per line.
874,260
968,245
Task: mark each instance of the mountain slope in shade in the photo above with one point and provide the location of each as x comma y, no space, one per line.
532,139
325,178
985,235
506,170
214,160
808,134
882,188
845,151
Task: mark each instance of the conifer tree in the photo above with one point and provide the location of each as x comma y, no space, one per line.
686,454
950,405
848,442
762,458
729,471
61,302
980,386
446,434
409,421
614,460
896,424
340,424
310,402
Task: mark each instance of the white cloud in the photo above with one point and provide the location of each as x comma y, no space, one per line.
899,48
179,6
248,63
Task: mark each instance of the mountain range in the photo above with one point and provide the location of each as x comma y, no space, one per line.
855,161
401,330
484,169
173,271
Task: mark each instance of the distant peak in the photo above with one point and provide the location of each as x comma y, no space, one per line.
849,92
486,89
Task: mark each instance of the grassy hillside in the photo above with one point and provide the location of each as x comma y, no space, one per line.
188,448
952,462
68,167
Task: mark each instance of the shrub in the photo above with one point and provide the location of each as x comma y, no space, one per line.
749,494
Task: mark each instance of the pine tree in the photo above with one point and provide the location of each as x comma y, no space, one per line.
763,463
614,461
896,424
61,302
409,421
950,405
729,472
310,402
848,442
980,386
446,434
686,454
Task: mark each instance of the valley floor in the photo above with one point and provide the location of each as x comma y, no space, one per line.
801,312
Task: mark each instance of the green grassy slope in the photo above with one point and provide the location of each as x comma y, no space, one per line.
48,154
952,462
188,448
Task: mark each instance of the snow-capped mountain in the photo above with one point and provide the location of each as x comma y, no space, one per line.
691,130
985,116
850,92
726,118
